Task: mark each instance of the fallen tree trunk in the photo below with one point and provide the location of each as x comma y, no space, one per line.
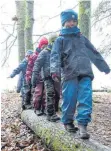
55,137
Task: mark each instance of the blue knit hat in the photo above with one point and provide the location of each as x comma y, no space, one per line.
29,52
67,15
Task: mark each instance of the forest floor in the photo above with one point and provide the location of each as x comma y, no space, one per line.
16,136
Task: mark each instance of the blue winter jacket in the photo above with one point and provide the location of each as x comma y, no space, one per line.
21,68
42,62
20,82
72,55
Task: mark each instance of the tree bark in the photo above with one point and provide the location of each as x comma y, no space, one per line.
20,12
84,17
55,136
29,6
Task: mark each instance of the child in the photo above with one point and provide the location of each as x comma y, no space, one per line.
43,62
19,83
71,55
42,44
21,69
38,93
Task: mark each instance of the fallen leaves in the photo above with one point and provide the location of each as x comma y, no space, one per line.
15,135
100,127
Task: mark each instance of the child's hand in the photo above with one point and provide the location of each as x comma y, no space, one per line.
8,77
55,77
107,72
33,90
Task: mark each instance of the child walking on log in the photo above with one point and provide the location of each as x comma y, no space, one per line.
70,58
21,69
43,62
37,94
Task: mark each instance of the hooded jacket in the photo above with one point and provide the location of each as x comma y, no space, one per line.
72,54
42,62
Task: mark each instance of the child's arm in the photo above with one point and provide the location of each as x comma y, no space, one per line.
96,57
37,68
21,66
30,67
55,59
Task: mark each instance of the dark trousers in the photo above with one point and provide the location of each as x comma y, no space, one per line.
57,95
39,97
52,96
26,93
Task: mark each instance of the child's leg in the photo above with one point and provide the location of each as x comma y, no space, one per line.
49,88
22,94
57,95
43,101
69,92
84,107
50,98
27,93
37,96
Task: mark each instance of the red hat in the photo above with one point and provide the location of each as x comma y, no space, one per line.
42,42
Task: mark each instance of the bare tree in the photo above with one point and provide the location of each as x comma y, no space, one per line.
29,6
84,17
8,43
20,12
102,22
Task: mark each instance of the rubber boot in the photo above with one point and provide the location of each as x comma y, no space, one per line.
70,127
83,132
53,118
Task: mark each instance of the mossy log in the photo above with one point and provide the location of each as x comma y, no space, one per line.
55,137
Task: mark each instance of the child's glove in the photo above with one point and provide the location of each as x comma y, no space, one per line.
107,71
32,90
9,77
55,77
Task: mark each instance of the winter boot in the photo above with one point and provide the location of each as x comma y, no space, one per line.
53,118
28,106
83,132
70,127
39,113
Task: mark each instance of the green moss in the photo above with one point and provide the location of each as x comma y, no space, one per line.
44,133
56,142
27,18
81,8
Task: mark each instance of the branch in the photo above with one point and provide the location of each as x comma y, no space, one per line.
100,20
10,34
8,52
56,16
45,34
6,24
60,3
47,22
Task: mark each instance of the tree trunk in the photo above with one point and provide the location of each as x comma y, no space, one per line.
29,5
55,136
84,17
20,28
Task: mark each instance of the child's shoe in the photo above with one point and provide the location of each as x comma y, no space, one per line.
83,132
26,106
39,112
70,127
53,118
